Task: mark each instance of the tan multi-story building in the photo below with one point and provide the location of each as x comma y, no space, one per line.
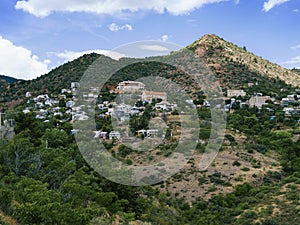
150,95
130,86
258,101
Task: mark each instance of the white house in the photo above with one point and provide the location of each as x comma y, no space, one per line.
70,104
28,94
148,133
289,111
232,93
114,134
75,85
164,105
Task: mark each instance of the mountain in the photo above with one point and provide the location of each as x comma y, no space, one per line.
233,62
234,66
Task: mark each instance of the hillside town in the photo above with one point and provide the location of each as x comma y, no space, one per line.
64,106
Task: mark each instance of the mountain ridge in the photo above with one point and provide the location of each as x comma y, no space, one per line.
8,79
234,67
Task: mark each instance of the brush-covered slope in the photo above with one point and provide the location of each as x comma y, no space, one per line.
235,64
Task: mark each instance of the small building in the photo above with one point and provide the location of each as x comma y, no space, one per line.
42,97
80,117
130,86
75,85
74,131
28,94
25,111
232,93
152,133
39,105
289,111
70,104
164,105
150,95
101,134
142,132
258,101
64,91
206,104
148,133
285,101
114,135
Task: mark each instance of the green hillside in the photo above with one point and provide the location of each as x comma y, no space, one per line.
255,178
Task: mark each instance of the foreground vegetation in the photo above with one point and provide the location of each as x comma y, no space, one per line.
44,180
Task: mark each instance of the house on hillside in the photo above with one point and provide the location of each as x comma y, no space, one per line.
75,85
164,105
150,95
258,101
114,135
130,86
148,133
232,93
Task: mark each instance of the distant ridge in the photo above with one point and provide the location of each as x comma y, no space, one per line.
8,79
5,82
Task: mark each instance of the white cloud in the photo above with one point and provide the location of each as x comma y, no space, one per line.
156,48
270,4
71,55
115,27
164,37
42,8
19,62
294,60
295,10
295,47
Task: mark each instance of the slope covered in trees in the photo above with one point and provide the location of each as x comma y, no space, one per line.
45,180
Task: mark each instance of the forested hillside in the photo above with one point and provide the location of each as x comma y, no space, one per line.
255,178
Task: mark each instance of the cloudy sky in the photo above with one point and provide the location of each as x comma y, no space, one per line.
38,35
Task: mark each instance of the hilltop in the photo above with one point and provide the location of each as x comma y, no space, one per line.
223,56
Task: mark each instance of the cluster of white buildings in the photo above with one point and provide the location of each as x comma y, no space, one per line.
259,100
59,106
46,106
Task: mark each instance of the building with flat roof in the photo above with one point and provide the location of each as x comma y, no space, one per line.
114,135
150,95
232,93
130,86
258,101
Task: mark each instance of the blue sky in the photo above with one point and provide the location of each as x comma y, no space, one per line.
38,35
